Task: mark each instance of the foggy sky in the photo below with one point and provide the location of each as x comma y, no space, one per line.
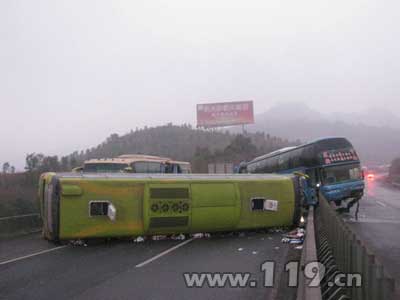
73,72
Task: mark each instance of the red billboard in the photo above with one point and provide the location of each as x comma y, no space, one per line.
225,114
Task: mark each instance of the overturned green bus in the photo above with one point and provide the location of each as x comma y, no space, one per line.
81,206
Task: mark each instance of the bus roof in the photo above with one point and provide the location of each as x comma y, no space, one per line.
168,177
179,162
143,156
130,158
122,160
287,149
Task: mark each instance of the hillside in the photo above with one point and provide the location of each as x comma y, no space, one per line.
179,142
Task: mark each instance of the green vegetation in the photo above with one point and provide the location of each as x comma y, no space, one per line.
17,194
178,142
200,147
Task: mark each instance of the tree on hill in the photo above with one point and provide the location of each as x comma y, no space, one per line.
6,167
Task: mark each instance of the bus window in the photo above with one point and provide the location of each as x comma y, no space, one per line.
140,167
154,167
174,168
104,167
185,168
337,174
284,161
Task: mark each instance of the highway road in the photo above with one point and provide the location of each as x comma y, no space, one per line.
31,268
379,224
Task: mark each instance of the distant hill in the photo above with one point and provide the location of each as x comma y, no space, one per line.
181,142
375,144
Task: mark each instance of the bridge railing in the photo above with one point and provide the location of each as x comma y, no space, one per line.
14,225
353,257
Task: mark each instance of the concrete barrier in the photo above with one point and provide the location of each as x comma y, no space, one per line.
21,224
309,254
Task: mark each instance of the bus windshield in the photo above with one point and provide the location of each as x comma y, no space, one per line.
338,174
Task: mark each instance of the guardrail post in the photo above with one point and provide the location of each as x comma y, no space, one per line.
368,259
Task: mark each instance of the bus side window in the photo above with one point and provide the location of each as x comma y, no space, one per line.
140,167
168,168
154,167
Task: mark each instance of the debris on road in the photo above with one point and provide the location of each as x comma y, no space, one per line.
201,235
158,237
179,237
139,239
79,243
294,237
295,234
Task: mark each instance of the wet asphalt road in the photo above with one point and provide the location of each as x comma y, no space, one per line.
109,271
379,224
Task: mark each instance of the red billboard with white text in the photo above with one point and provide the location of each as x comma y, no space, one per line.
225,114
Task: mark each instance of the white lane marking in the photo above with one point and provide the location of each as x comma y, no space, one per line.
381,203
31,255
17,217
163,253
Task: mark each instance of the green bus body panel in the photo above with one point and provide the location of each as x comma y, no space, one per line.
126,196
274,190
71,190
163,204
213,194
216,204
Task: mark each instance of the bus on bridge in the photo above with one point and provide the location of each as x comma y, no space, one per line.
331,165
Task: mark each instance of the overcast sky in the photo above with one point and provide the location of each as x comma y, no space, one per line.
73,72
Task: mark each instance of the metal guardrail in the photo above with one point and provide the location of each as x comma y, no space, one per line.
309,254
14,225
353,257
